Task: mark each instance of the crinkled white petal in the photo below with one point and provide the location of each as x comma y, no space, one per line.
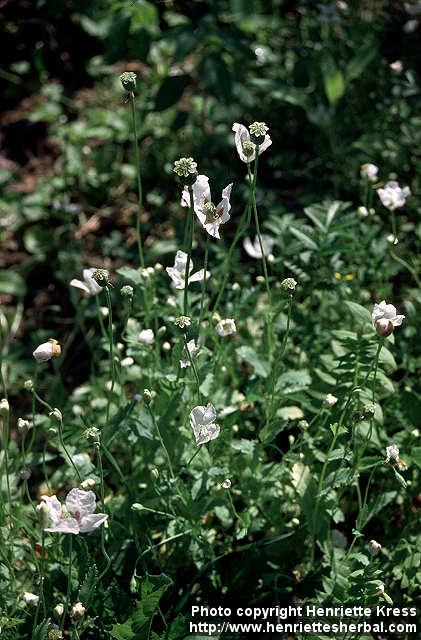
241,136
44,352
80,503
78,284
66,525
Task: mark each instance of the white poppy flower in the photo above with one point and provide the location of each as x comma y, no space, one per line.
146,336
77,515
369,171
30,598
393,196
392,453
193,349
253,248
177,272
203,425
385,318
242,136
47,350
210,216
226,327
88,285
330,400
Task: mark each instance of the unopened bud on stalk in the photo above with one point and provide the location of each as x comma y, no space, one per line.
258,131
52,432
226,484
4,407
89,483
330,400
155,473
43,514
77,611
58,611
128,80
56,413
384,327
23,426
375,547
47,350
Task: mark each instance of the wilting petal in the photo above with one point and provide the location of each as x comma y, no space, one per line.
54,508
66,525
93,521
80,503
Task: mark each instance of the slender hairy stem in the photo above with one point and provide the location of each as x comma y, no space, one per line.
155,424
111,350
102,490
139,182
193,366
189,250
202,298
69,582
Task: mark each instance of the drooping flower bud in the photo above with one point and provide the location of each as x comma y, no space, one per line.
28,385
226,484
375,547
58,611
77,611
47,350
30,599
23,426
4,407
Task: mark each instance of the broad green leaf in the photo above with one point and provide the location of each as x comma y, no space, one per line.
170,92
334,86
359,313
293,381
12,283
249,355
152,589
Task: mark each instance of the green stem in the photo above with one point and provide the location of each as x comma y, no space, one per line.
189,250
69,582
193,366
111,351
102,490
202,298
139,182
155,424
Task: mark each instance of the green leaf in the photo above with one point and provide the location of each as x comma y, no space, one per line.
122,631
132,275
358,63
359,313
12,283
306,240
334,86
152,589
170,92
87,589
249,355
293,381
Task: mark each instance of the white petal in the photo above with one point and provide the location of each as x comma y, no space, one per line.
207,433
199,276
397,321
265,144
78,284
93,286
241,136
250,249
180,261
93,521
66,525
196,415
54,508
44,352
210,414
175,276
80,503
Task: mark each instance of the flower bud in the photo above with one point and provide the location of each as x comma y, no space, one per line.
384,327
330,400
155,473
128,80
43,514
30,598
47,350
52,432
89,483
56,413
24,474
226,484
58,611
375,547
166,346
23,426
77,611
4,407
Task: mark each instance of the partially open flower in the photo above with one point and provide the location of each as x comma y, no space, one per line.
203,425
369,171
30,598
385,319
375,547
253,248
392,453
177,272
47,350
330,400
226,327
211,216
77,611
245,146
88,285
393,196
77,515
23,426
